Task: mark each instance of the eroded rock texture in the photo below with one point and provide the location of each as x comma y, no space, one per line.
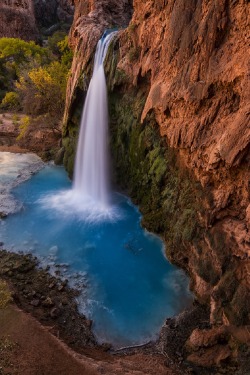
195,56
52,12
17,19
181,69
24,18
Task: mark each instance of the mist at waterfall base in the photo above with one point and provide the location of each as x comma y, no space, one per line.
94,236
127,287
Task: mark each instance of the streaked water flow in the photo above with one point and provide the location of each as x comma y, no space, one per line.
91,175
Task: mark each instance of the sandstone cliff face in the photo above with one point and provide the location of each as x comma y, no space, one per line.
52,12
23,18
195,57
17,19
181,68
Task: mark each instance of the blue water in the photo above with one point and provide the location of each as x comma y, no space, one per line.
127,286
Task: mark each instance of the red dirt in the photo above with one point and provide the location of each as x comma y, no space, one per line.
28,348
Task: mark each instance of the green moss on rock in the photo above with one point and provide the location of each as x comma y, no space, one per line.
70,144
148,170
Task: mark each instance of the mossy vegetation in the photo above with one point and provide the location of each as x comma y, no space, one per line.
70,144
134,54
71,131
148,170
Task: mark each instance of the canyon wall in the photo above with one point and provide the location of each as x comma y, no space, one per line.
193,58
25,18
17,19
178,79
52,13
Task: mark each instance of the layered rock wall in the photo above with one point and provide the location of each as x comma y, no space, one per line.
17,19
194,57
180,134
50,13
24,18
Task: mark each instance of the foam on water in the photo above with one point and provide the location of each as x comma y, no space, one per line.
15,168
71,203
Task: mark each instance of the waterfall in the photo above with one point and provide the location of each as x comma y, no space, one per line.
91,179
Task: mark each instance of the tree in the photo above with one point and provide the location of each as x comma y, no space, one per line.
20,51
46,86
38,77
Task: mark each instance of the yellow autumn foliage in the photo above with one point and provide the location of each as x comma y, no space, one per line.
5,294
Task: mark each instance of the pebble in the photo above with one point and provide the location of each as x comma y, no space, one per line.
60,288
54,313
48,302
89,323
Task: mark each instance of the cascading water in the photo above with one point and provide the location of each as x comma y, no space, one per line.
91,169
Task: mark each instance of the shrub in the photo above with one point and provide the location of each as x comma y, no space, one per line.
55,40
15,119
10,101
43,90
5,294
23,127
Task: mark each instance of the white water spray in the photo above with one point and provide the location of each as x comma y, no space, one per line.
91,163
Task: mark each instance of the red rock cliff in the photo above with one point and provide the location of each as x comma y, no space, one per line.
196,54
195,57
23,18
17,19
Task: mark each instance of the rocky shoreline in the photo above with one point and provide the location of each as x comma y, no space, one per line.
46,297
52,302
